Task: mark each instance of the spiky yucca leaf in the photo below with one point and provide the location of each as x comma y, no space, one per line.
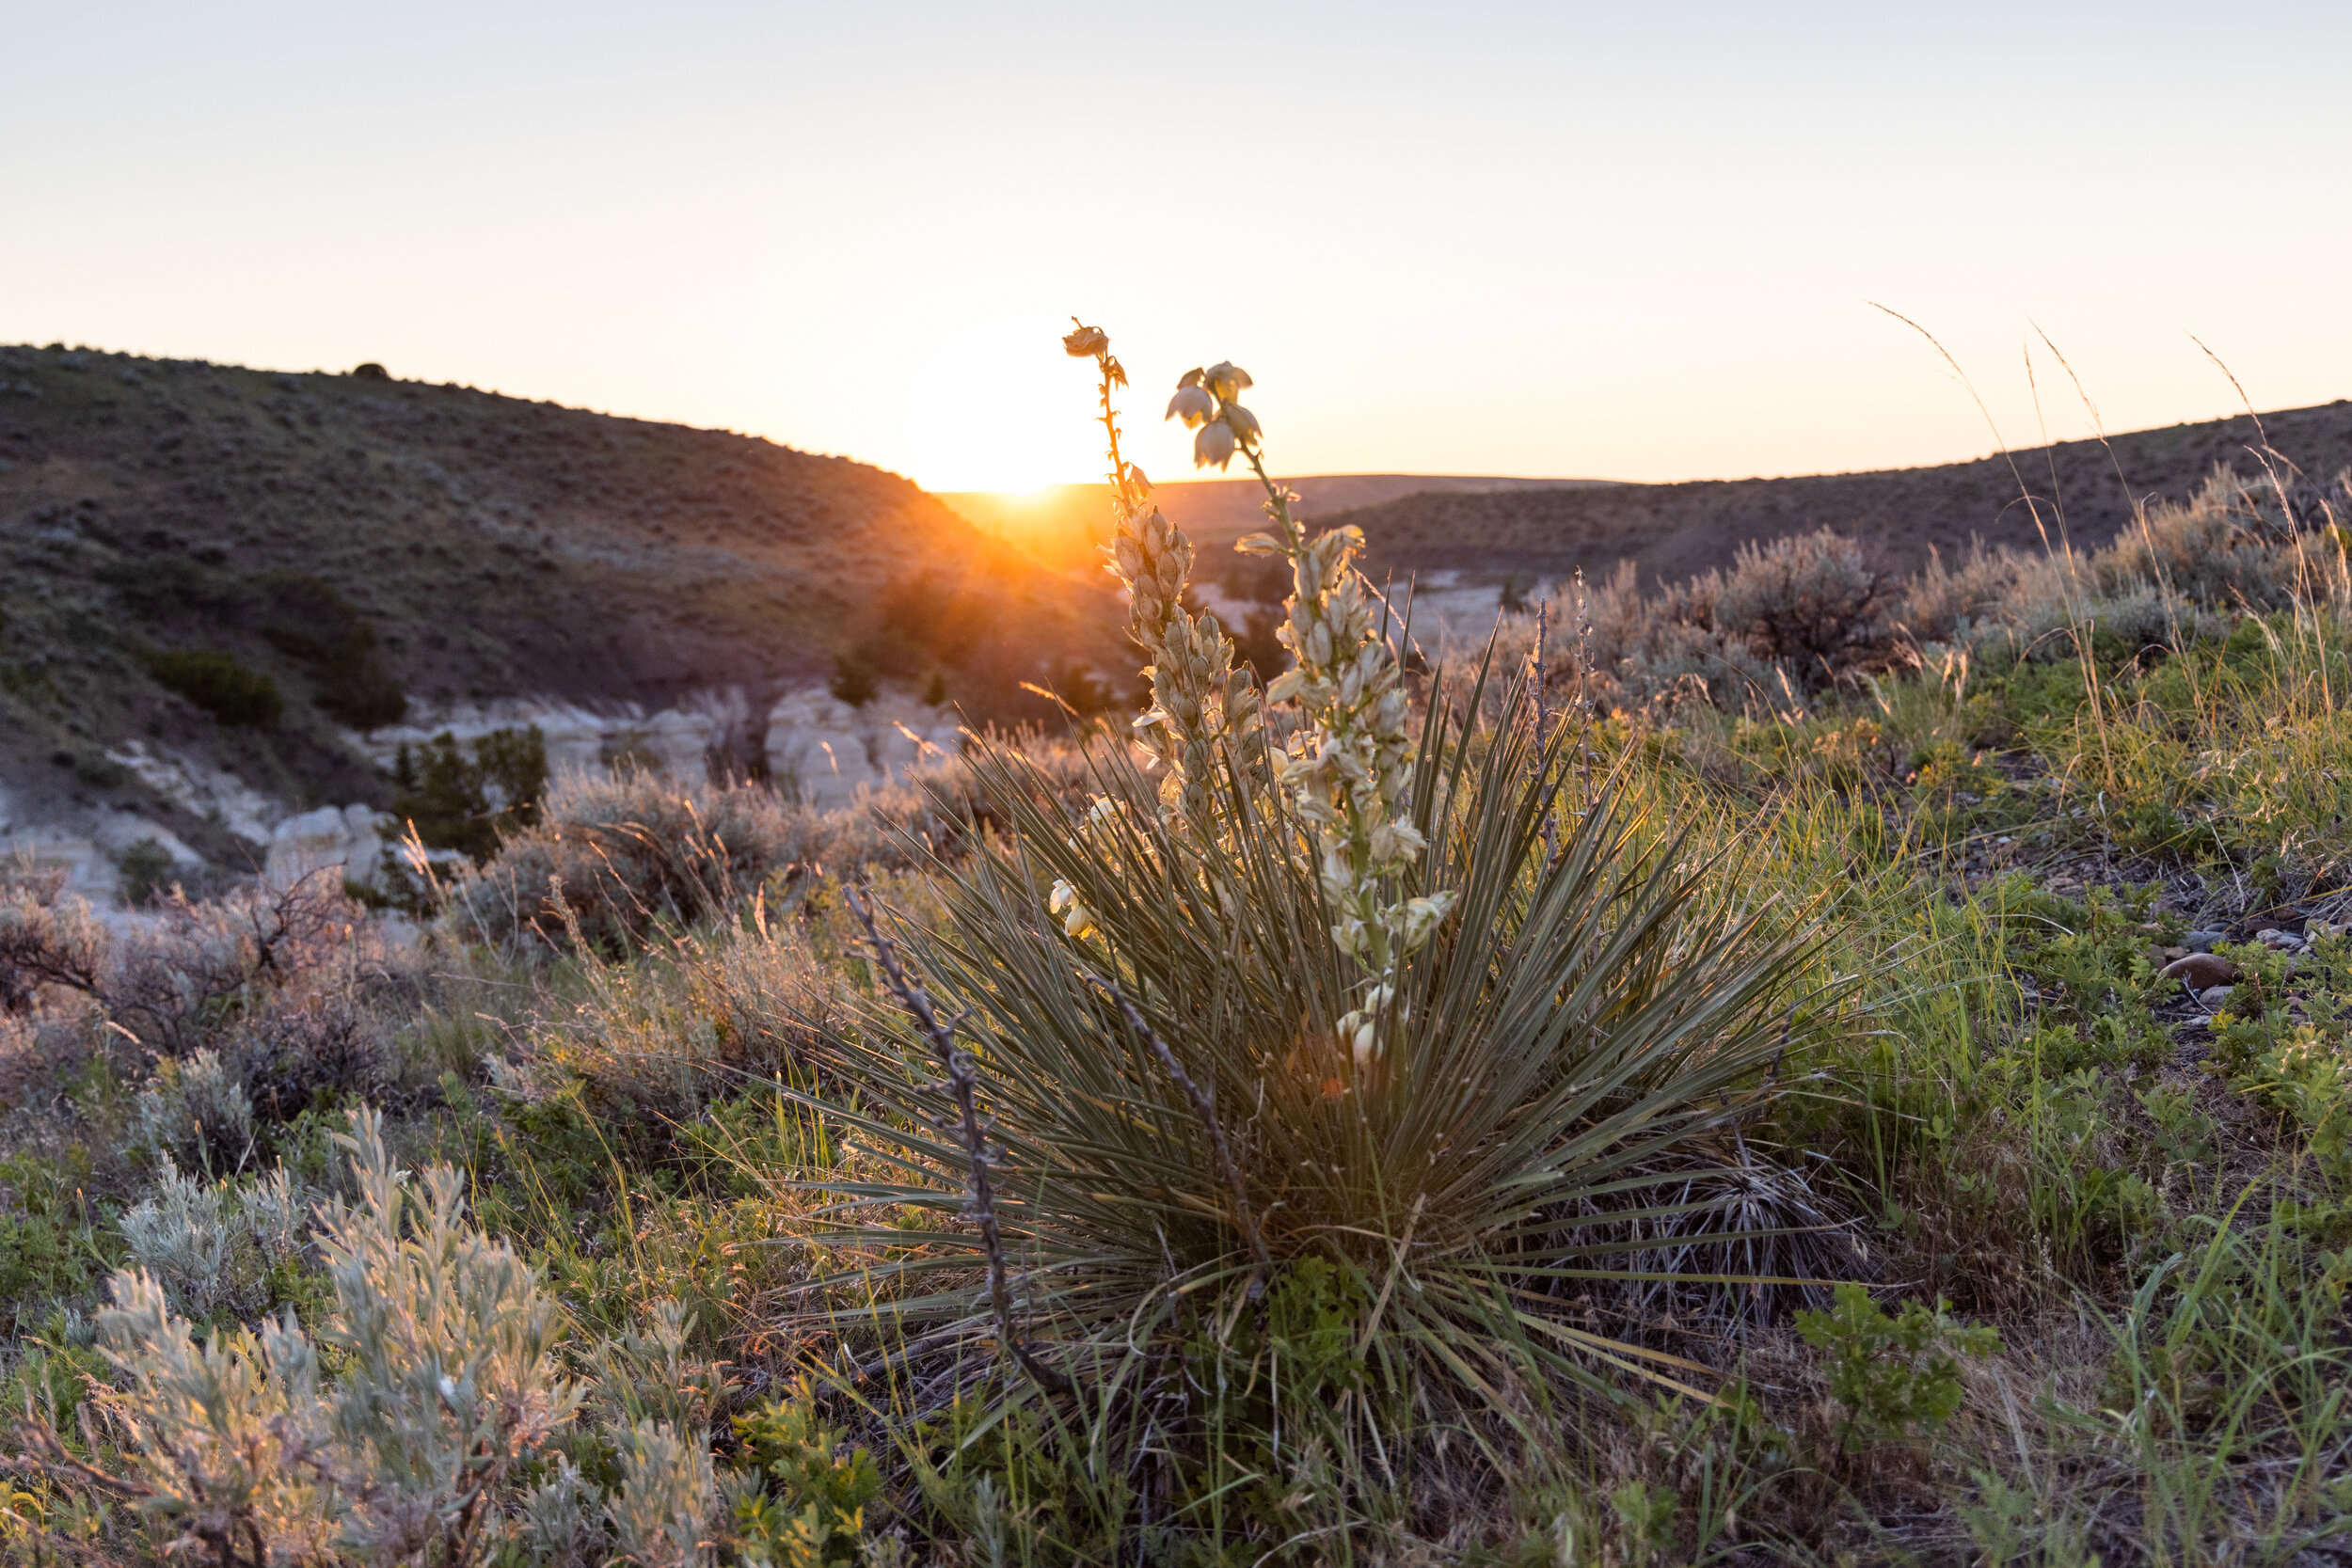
1562,1058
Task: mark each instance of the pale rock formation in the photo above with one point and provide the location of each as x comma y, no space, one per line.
86,859
823,751
203,789
814,745
677,741
349,837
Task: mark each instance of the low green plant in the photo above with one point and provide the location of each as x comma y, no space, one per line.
51,1251
807,1487
854,680
1893,1374
215,682
146,868
308,620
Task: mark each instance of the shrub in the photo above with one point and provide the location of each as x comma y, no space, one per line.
43,945
447,1382
628,850
654,1043
637,851
661,1516
210,1242
146,868
307,619
1938,599
194,1110
309,1046
1795,615
216,683
197,968
1893,1374
1806,599
454,800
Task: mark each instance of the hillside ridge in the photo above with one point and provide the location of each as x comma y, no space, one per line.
314,555
1672,532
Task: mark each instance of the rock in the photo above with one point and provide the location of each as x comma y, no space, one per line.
2201,941
2280,940
2217,996
2200,971
823,750
345,838
365,857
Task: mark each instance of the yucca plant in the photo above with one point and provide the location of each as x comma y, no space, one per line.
1320,994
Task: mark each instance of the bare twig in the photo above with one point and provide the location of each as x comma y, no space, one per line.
964,1076
1204,1106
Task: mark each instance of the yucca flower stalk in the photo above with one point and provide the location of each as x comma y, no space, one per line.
1349,765
1199,698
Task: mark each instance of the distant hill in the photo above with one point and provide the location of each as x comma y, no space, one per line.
169,526
1670,532
1063,520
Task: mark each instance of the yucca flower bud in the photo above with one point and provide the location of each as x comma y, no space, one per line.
1076,920
1241,421
1088,342
1214,447
1388,843
1191,405
1226,379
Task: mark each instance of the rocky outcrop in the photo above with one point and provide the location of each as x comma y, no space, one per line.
823,750
349,837
814,747
87,850
811,746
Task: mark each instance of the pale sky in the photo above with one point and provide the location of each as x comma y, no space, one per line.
1619,240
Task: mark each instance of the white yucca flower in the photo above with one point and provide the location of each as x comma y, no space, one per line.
1200,699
